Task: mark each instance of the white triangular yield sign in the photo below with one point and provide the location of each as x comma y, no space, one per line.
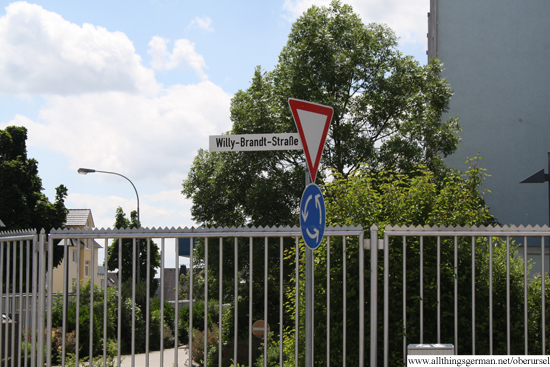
313,121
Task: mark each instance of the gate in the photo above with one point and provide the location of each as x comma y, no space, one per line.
442,282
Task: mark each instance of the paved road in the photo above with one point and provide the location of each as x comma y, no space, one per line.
154,358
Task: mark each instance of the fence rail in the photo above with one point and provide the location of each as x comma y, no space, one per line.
464,279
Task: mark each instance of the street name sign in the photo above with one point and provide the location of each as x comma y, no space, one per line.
254,142
313,122
312,216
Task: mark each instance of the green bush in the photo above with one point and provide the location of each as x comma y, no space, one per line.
198,347
112,318
155,322
198,320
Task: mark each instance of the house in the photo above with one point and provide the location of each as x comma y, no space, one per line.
79,219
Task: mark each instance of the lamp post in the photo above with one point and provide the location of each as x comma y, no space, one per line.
541,177
85,171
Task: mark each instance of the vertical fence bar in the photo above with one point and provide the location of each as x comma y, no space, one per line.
177,302
491,295
438,290
456,292
508,293
42,288
119,281
373,296
543,285
35,250
250,306
162,303
404,300
386,299
50,296
297,313
147,307
135,260
525,299
20,297
205,299
473,295
77,326
2,259
220,302
91,246
421,290
328,301
236,302
344,300
13,309
21,247
191,301
281,302
105,280
265,301
7,303
28,313
65,299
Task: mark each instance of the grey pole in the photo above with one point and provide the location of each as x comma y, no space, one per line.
85,171
309,296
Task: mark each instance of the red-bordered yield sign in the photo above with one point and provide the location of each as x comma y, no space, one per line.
313,121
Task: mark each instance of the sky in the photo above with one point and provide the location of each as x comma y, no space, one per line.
137,86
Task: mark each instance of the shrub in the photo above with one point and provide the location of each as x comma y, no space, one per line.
198,321
198,347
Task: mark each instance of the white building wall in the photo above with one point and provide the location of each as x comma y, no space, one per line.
496,55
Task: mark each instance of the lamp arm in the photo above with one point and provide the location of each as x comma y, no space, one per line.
137,196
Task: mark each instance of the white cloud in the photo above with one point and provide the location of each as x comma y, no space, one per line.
44,54
408,18
146,137
183,53
201,23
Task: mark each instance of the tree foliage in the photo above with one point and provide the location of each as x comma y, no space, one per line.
125,274
370,197
23,205
387,113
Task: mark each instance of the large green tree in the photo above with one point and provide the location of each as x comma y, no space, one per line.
23,205
387,113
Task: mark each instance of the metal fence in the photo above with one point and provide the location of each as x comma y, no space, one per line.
435,278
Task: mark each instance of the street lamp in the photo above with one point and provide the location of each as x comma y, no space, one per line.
85,171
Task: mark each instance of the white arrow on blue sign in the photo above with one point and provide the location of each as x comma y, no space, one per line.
312,216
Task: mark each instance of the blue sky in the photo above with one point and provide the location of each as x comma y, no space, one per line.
136,87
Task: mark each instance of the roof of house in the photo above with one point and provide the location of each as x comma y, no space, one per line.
72,242
79,217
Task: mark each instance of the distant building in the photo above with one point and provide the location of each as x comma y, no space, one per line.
79,219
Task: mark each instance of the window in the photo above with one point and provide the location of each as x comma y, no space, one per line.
87,269
74,256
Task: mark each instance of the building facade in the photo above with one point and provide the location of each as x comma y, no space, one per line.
79,219
495,55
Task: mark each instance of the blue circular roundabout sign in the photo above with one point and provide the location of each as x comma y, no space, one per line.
312,216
